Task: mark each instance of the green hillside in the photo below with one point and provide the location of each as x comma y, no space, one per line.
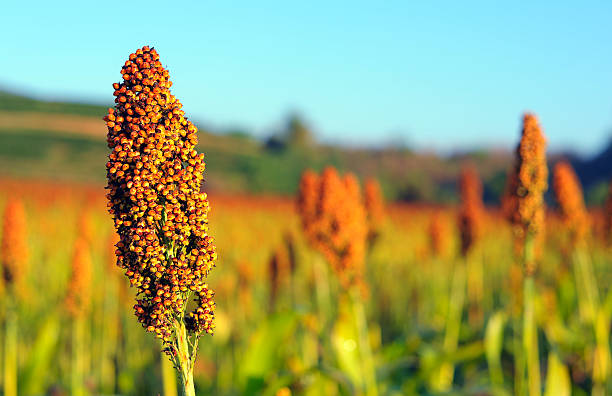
235,163
13,102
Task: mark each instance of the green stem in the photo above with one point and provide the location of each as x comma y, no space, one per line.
368,367
494,335
322,290
475,289
168,376
453,327
108,339
76,380
324,305
10,350
602,358
596,315
586,287
519,359
184,361
530,338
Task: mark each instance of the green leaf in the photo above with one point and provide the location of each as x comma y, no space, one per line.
42,353
494,337
345,343
262,355
557,380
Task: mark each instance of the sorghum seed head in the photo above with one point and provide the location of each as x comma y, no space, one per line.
439,234
308,194
14,252
160,213
375,208
85,226
78,293
279,270
568,193
524,201
112,253
334,221
290,249
472,208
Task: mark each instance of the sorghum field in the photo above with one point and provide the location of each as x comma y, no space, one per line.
153,284
429,318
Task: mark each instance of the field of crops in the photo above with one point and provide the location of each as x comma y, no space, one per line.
285,325
157,283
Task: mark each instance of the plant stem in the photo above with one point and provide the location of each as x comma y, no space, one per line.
530,339
168,376
475,289
108,342
322,290
494,335
184,359
324,305
530,329
10,349
586,287
602,359
453,327
519,358
597,317
368,367
76,380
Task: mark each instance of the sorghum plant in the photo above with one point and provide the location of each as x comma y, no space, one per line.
471,222
375,209
470,225
160,213
568,193
14,261
524,201
335,223
471,210
524,205
279,267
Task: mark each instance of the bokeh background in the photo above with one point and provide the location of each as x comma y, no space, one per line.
403,93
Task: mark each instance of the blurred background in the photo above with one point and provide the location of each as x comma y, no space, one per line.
404,93
399,91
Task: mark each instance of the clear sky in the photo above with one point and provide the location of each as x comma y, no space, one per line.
439,74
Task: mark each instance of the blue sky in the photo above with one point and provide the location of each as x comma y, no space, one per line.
437,74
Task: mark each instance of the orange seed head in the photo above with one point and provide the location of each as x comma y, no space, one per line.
155,176
14,252
568,193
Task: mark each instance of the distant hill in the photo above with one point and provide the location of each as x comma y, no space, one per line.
15,102
66,141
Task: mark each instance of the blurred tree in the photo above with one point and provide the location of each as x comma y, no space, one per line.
597,194
298,134
295,135
275,143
